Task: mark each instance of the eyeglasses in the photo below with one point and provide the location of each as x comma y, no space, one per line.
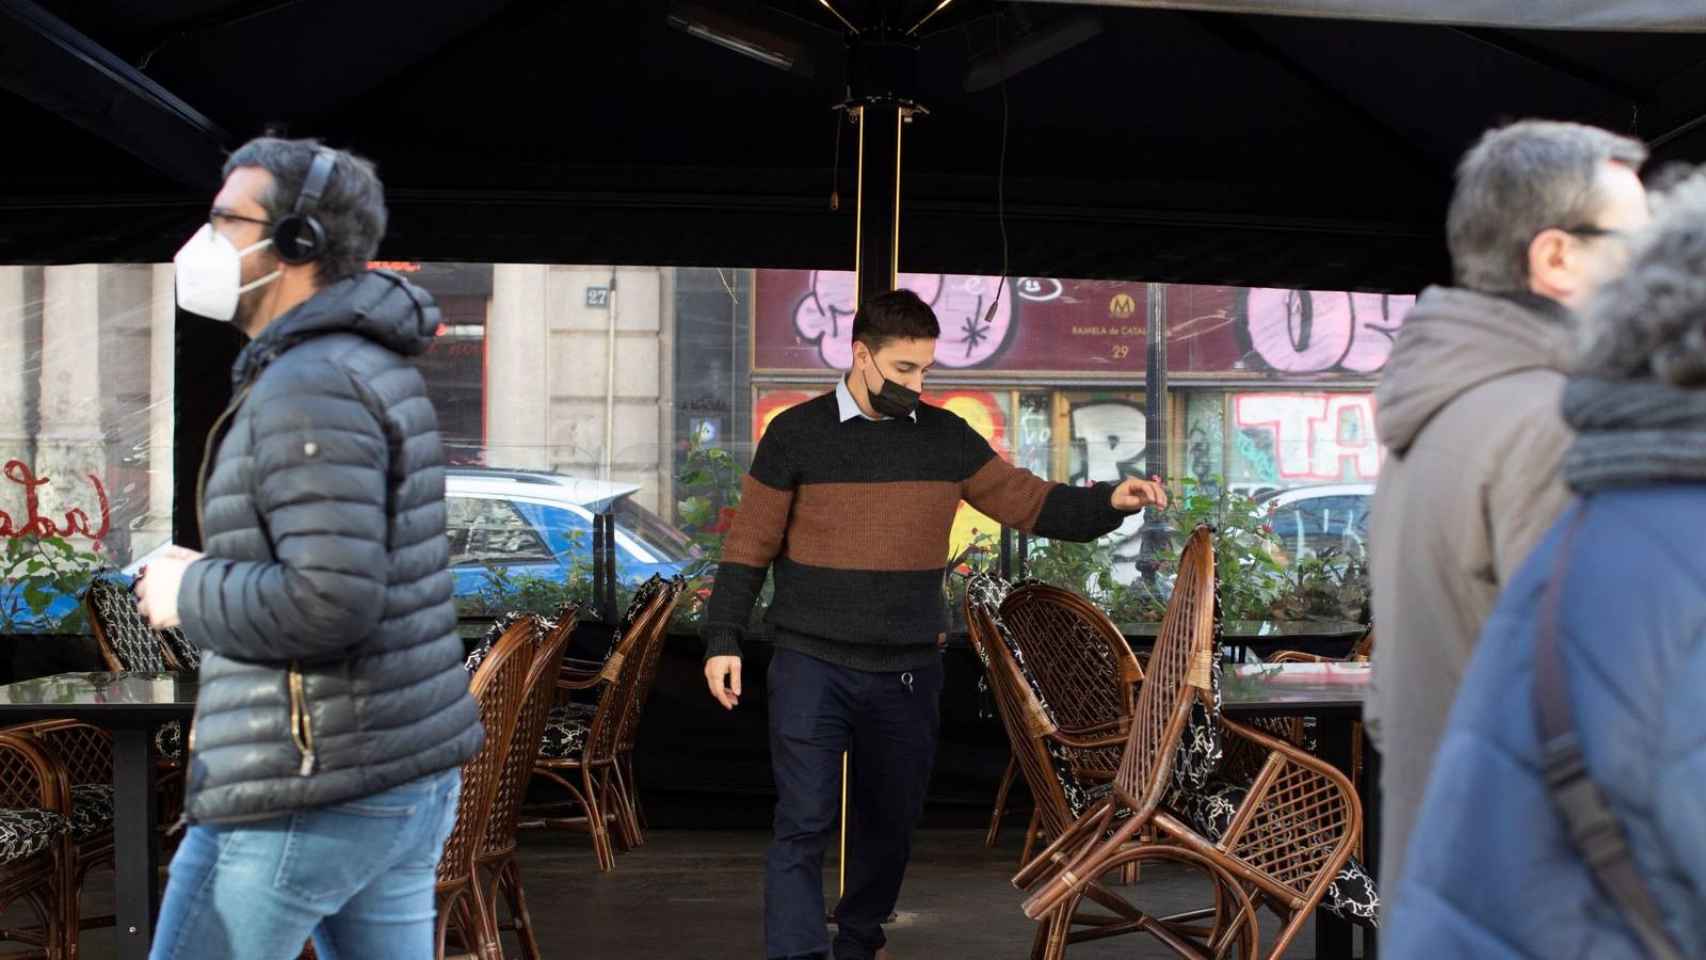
1589,230
215,216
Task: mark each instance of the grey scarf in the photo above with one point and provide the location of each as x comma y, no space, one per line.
1633,432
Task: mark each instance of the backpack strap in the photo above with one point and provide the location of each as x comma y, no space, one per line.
1593,827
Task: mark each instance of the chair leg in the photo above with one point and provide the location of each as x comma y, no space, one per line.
601,845
1032,832
508,880
634,804
441,931
70,931
627,822
1000,811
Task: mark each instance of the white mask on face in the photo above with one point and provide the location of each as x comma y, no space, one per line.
209,273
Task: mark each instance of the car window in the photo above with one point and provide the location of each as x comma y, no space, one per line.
492,531
649,528
1316,523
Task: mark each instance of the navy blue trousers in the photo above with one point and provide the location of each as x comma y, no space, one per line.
888,724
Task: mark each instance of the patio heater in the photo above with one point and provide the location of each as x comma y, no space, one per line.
882,38
882,83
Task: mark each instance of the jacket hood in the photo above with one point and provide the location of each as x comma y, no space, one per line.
378,305
1455,340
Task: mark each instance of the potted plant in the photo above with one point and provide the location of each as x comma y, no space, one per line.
41,579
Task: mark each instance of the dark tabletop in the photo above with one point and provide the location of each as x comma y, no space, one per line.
1263,630
89,694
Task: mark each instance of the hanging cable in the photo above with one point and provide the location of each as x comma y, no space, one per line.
835,165
1001,178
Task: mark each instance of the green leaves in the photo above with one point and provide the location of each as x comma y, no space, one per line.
40,571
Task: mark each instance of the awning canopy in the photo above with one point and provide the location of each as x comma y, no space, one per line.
1682,16
1135,142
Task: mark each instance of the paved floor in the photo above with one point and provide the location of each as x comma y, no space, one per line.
696,895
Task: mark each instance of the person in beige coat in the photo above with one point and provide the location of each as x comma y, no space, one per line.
1469,411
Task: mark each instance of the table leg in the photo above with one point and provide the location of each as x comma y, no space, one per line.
136,846
1333,937
1369,792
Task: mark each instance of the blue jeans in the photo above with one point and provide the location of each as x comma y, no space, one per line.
358,876
888,724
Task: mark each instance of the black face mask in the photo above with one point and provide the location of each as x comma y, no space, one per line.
893,400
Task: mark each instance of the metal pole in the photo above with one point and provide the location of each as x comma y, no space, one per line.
1155,382
877,214
876,263
1156,540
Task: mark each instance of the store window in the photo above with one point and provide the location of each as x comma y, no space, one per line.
565,391
86,426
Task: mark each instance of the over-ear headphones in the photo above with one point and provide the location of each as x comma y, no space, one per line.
299,237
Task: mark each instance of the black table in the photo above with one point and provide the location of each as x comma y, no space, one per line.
1336,704
1331,638
130,705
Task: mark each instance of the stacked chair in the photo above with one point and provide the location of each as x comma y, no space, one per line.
495,861
587,747
500,689
1064,683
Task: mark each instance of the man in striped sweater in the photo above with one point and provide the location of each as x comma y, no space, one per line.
850,499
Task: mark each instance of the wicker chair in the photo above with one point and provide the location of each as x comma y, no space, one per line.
496,859
498,686
579,749
1296,729
1041,750
1292,830
129,644
1360,652
1079,664
84,755
628,736
36,857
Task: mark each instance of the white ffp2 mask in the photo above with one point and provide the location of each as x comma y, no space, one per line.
209,272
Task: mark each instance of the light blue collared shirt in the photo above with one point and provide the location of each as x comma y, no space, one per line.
849,407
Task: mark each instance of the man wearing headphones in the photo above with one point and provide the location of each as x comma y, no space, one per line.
333,714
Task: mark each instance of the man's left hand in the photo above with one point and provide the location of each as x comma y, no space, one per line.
157,586
1133,494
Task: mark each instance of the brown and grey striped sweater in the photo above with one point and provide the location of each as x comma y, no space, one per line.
855,517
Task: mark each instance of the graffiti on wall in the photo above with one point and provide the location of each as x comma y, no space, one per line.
1304,331
1315,437
1109,438
970,334
77,522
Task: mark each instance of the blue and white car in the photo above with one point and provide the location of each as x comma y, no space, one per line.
532,523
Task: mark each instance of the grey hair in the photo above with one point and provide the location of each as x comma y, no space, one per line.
352,210
1650,323
1519,180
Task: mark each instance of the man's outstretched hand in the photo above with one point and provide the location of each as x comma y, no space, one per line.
1133,494
718,670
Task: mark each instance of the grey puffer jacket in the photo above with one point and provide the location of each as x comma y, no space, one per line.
332,666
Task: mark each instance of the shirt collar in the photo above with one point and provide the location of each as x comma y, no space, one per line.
849,407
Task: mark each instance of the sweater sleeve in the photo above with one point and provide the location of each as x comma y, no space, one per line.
755,539
1020,499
